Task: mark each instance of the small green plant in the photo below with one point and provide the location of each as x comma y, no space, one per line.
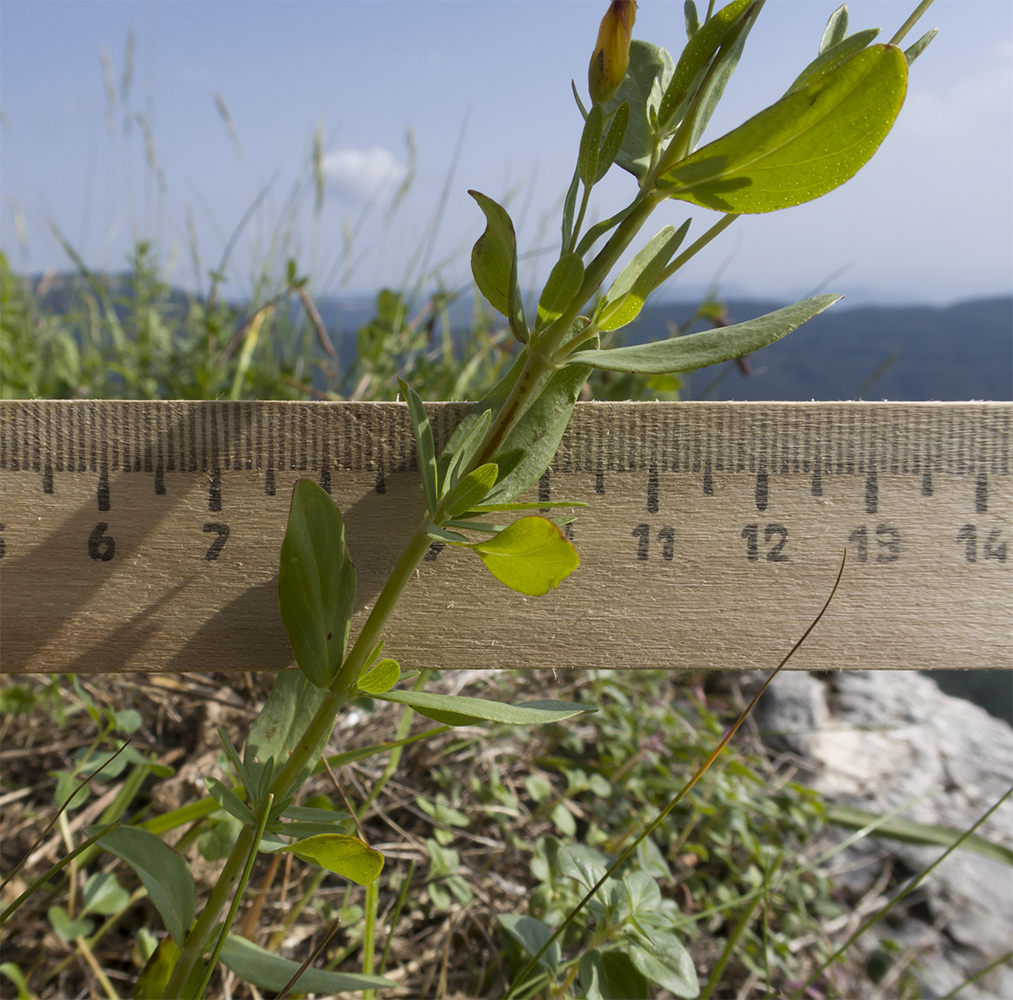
647,114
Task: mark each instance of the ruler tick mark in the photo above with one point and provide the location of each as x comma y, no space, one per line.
762,490
159,481
269,482
816,486
981,494
103,489
871,494
47,479
926,483
381,483
215,489
652,489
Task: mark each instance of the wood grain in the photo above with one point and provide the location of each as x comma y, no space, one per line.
681,496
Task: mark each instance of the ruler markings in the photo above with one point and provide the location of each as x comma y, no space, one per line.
935,476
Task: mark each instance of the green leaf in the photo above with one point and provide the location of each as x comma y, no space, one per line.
808,143
697,55
68,929
473,489
917,833
836,30
103,894
531,935
697,350
233,755
692,18
582,863
665,961
613,140
494,265
590,141
647,79
537,434
163,872
316,583
563,284
290,707
424,444
456,710
271,972
626,297
826,62
464,447
610,975
912,52
379,678
570,201
230,802
539,505
530,556
342,854
154,978
14,974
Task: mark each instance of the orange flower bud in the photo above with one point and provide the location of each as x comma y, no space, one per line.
612,51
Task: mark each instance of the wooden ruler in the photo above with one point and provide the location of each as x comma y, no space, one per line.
145,536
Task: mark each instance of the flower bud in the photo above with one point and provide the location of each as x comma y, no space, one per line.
612,51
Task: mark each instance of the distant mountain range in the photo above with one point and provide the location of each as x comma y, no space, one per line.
906,353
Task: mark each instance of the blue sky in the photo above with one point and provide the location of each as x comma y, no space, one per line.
930,219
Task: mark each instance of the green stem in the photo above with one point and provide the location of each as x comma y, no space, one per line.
730,945
265,813
367,639
910,22
193,946
690,252
369,935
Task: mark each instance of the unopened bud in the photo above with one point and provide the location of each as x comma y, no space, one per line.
612,51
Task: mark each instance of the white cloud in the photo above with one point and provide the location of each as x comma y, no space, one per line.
362,174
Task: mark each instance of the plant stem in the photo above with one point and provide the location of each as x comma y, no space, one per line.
910,22
193,946
369,935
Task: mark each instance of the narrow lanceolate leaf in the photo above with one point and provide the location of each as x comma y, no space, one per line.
912,52
424,444
471,490
494,265
685,354
697,54
530,556
613,140
342,854
826,62
564,281
808,143
590,142
836,30
456,710
626,297
163,872
262,968
316,583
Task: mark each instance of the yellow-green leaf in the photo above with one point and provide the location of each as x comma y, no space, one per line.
529,556
808,143
342,854
379,678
